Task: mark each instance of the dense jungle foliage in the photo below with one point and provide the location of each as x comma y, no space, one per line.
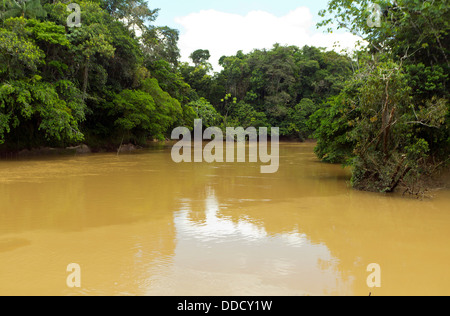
117,77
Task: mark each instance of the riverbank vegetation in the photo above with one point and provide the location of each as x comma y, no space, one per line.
390,122
383,110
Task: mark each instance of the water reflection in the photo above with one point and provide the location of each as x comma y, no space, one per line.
217,228
243,258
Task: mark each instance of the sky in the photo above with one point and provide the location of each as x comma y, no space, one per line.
227,26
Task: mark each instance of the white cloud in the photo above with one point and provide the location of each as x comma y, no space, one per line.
225,33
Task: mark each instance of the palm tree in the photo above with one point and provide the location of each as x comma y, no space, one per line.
22,8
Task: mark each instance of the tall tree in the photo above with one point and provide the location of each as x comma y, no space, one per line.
200,56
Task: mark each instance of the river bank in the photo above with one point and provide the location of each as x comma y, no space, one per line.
82,149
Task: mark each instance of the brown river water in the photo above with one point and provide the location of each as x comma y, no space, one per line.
140,224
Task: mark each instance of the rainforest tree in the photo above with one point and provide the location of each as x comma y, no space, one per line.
393,117
97,83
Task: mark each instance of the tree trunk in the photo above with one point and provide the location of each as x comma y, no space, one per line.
85,78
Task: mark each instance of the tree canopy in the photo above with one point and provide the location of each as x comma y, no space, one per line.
97,83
